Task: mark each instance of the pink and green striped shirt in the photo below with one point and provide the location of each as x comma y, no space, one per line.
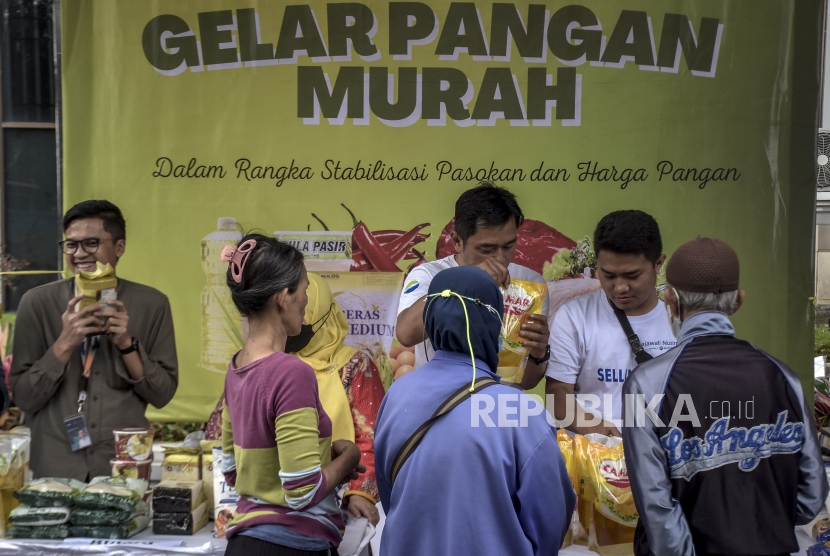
275,439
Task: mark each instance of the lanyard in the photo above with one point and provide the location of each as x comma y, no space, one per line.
87,356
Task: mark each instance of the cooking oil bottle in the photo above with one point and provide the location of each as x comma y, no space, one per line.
221,336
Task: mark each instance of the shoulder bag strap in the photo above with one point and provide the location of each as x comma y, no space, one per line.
449,404
640,354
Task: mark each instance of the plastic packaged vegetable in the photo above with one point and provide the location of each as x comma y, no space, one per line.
44,493
120,531
27,515
47,532
121,493
110,516
521,299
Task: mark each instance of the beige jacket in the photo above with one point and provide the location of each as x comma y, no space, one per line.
48,392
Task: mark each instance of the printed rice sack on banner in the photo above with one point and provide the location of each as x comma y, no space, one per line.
370,302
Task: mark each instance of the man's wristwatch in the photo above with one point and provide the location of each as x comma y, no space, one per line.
134,346
543,359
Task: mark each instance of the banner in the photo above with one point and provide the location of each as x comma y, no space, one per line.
364,118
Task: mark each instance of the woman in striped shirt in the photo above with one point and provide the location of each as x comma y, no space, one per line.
276,437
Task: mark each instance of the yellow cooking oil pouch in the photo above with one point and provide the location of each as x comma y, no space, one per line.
521,299
566,447
606,505
97,286
609,475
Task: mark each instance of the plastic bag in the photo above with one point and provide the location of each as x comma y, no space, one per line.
121,493
120,531
224,496
819,549
14,458
207,470
605,504
608,473
48,532
27,515
181,464
52,492
97,286
821,530
566,447
110,516
521,299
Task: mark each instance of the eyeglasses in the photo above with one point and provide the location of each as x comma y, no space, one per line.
89,245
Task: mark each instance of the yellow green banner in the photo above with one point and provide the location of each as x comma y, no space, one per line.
286,118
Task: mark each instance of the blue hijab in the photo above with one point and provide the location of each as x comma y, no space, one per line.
444,320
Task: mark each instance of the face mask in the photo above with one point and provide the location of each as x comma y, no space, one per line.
293,344
674,322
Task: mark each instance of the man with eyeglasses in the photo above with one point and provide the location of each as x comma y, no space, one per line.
86,373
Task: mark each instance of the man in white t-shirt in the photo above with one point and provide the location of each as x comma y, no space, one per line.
487,219
590,354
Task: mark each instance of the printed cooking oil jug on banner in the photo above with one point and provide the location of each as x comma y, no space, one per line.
221,335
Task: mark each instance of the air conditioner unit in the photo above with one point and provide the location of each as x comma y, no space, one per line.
823,161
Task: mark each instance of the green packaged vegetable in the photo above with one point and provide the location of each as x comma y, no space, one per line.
48,532
120,493
108,516
27,515
90,516
44,493
120,531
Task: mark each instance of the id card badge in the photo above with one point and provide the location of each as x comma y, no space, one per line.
77,432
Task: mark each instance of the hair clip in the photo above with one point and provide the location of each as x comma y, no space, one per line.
238,257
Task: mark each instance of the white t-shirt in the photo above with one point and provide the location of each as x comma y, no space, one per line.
417,286
589,349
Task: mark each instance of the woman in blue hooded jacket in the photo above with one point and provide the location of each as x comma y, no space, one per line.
487,476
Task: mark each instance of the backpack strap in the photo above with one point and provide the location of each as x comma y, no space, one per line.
640,354
455,399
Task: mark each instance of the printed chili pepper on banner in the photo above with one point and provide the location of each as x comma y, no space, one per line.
385,237
381,251
373,250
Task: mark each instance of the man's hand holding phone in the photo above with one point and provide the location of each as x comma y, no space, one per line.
77,325
116,324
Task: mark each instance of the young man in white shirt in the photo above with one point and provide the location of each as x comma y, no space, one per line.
590,353
487,219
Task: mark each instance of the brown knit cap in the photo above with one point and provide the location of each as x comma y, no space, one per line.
704,265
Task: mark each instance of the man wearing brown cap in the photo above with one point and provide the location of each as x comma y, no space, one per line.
720,445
